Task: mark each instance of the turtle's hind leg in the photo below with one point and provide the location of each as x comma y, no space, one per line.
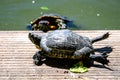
101,58
104,36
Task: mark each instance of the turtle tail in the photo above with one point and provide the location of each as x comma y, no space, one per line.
104,36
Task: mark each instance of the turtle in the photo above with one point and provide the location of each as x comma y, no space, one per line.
48,22
66,44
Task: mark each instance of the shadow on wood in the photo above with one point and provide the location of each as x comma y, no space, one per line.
67,63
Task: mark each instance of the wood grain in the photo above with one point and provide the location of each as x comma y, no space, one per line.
16,61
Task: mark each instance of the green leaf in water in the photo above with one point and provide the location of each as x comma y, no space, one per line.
44,8
78,68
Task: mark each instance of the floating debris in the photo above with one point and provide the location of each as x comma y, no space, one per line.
33,1
98,14
44,8
41,13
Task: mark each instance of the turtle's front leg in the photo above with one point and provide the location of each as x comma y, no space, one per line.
44,46
38,58
61,24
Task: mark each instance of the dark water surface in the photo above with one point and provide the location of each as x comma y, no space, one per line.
86,14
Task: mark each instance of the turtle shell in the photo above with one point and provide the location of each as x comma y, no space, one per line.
50,21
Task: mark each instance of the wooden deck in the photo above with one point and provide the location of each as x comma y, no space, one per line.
16,61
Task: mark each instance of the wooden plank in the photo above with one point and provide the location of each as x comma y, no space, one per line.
16,62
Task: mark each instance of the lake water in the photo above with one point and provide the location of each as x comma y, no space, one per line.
86,14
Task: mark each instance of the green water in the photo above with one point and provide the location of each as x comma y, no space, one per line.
86,14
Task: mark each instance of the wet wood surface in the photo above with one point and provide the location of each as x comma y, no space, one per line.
16,61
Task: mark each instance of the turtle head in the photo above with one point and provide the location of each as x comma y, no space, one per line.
35,38
43,25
